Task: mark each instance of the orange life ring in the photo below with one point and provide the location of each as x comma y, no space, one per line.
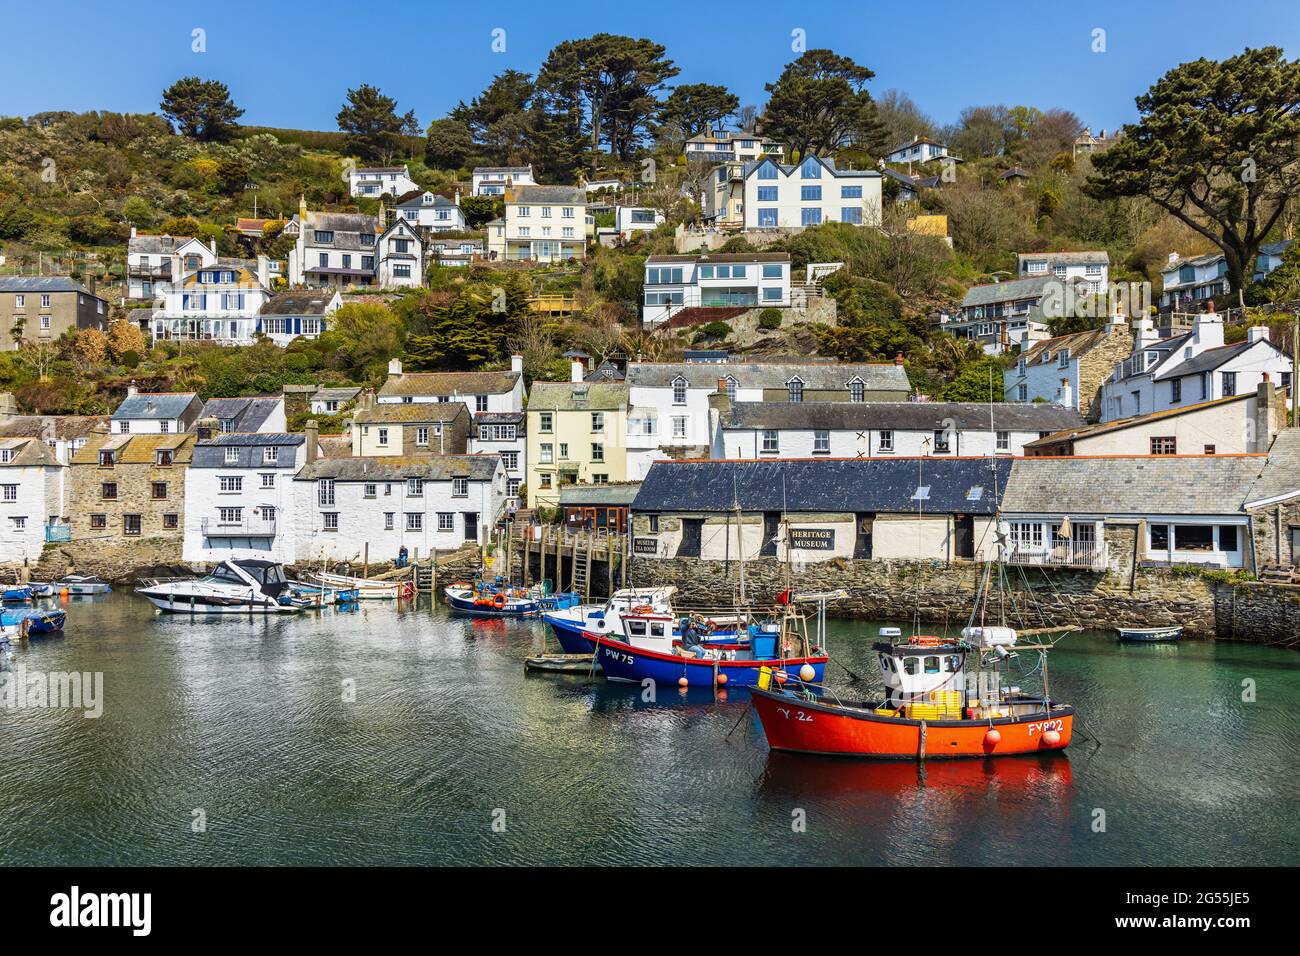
926,640
643,609
499,601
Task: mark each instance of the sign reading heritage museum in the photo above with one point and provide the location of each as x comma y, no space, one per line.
645,545
813,539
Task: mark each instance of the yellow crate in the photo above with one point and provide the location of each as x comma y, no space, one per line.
886,712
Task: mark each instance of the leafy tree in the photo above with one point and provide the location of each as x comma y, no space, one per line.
125,338
697,108
448,144
201,109
902,118
820,102
607,86
470,327
480,210
370,120
1216,146
366,334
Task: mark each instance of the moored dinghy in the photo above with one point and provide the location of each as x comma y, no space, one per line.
1149,635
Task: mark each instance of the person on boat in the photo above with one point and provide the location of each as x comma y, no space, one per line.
691,640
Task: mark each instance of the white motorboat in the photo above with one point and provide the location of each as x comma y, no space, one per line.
81,584
239,586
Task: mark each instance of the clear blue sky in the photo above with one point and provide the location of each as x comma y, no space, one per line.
290,64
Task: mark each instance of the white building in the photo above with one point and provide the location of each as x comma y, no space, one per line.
31,498
151,262
239,496
64,434
809,194
480,391
376,181
495,180
460,251
332,248
330,400
502,434
920,150
1005,315
1068,369
424,503
542,224
1090,268
669,408
400,252
219,302
257,413
156,413
673,283
432,212
1186,369
299,313
758,430
741,147
1186,283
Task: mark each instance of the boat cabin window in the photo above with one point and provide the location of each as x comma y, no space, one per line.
636,628
657,629
225,575
932,665
910,664
887,663
954,663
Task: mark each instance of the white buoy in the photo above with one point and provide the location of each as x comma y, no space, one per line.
807,673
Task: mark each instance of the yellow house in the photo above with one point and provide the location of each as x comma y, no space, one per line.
541,224
576,435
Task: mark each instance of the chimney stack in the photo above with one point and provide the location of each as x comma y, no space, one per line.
1207,328
1256,333
1065,396
898,359
131,390
395,368
1265,398
312,433
264,271
517,363
133,232
576,371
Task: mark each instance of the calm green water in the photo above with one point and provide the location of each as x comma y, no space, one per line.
245,720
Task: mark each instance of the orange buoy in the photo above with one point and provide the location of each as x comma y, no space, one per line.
993,737
1051,738
682,681
780,677
722,678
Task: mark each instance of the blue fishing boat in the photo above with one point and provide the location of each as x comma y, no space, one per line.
569,624
484,599
34,620
15,594
625,662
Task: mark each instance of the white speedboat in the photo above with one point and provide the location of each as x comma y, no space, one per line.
239,586
82,584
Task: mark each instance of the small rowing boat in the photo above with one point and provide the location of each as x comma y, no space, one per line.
559,663
1149,635
16,594
34,620
367,589
82,584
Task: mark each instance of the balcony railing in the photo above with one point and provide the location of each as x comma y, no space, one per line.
1070,554
245,527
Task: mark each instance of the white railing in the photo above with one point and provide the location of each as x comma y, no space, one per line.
255,527
1070,554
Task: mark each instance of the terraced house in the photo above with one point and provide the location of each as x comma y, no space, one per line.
332,248
128,491
423,428
31,498
576,435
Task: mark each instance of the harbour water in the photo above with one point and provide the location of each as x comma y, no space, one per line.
229,741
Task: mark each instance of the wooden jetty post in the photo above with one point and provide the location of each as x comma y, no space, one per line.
365,560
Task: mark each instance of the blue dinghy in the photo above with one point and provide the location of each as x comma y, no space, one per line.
34,620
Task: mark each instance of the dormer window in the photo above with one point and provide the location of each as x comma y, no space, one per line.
857,391
679,391
795,387
106,459
731,388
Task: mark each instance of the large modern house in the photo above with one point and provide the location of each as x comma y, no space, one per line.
673,283
779,196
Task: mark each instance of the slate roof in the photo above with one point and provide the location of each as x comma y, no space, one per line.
705,259
502,170
31,284
50,426
498,418
1208,360
614,494
211,453
155,405
1077,342
572,195
156,245
245,414
335,446
826,162
1275,248
303,302
1009,291
605,372
401,467
1134,486
834,485
1065,258
339,393
419,203
1281,473
399,413
902,416
28,452
449,383
560,396
885,376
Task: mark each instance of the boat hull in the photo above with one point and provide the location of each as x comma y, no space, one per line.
623,662
35,621
464,604
570,633
182,604
815,727
1149,635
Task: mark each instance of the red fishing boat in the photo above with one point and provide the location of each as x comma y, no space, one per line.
943,699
